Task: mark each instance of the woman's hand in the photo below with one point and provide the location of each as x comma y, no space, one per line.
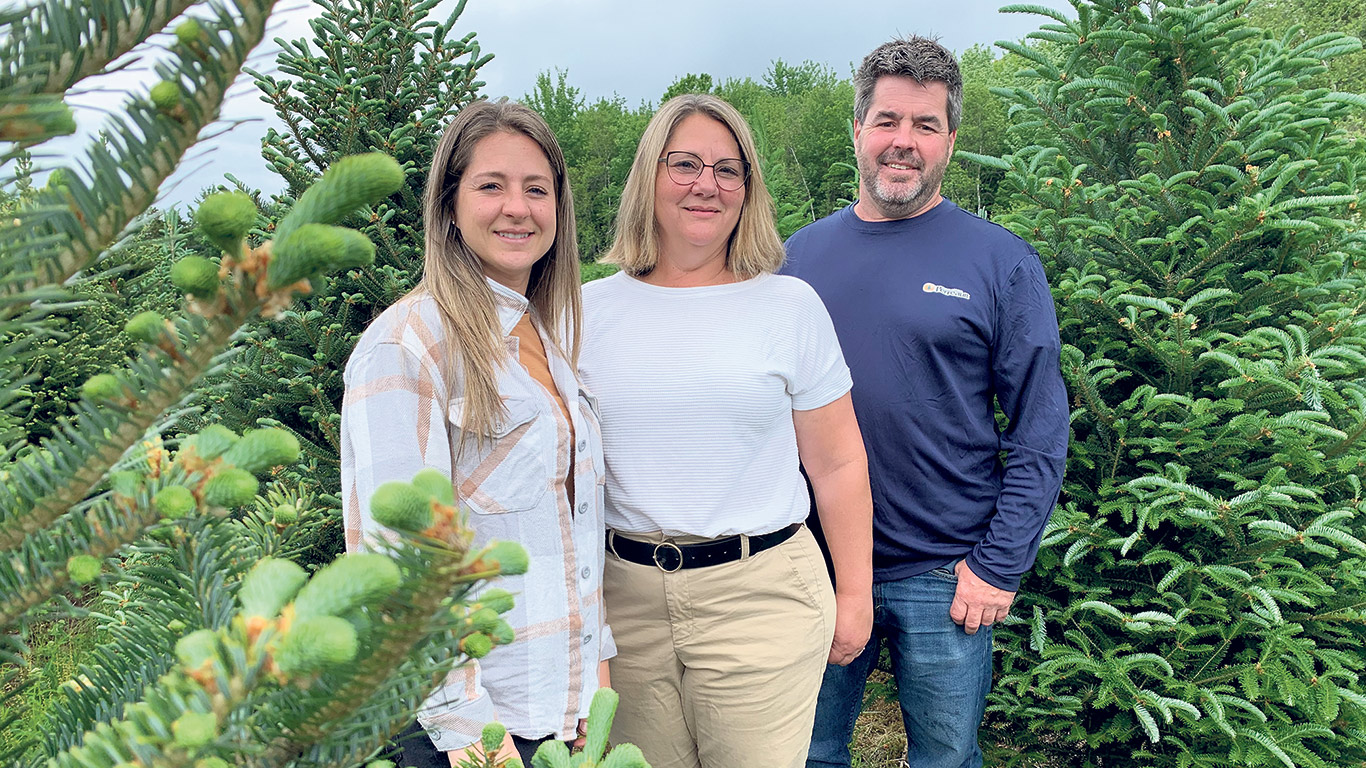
853,627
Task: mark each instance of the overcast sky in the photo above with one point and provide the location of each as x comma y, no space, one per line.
630,48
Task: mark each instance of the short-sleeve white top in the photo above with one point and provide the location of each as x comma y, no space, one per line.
696,389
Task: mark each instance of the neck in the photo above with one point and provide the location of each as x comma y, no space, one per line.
690,267
866,210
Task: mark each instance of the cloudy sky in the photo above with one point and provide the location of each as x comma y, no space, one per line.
632,48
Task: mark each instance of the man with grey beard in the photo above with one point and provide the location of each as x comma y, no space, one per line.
942,317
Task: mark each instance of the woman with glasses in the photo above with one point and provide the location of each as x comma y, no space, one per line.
472,374
714,376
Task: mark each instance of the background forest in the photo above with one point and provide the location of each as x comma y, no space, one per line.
1190,173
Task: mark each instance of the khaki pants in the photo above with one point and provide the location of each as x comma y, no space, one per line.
720,666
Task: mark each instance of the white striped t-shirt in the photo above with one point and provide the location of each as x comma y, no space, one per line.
696,388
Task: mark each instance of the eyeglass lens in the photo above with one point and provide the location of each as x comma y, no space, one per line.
685,167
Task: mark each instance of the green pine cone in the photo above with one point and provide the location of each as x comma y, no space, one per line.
176,625
503,633
188,31
435,484
36,119
270,584
148,327
509,556
213,441
261,449
348,184
225,218
285,514
380,764
476,646
601,712
500,600
231,487
195,729
483,620
83,569
315,643
551,754
491,738
174,502
165,95
625,756
316,248
400,506
345,583
126,483
211,762
196,648
102,387
196,276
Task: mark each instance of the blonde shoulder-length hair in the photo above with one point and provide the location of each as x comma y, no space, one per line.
754,247
453,277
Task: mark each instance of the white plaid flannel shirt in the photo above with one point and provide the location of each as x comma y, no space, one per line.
399,415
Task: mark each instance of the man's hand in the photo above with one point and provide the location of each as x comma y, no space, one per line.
977,603
853,627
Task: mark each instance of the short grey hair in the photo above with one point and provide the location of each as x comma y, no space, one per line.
920,58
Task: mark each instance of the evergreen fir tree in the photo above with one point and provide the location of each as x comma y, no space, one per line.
1200,596
377,76
221,650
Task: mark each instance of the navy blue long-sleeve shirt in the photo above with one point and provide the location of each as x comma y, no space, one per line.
940,316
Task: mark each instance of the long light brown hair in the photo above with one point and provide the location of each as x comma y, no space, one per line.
453,277
754,246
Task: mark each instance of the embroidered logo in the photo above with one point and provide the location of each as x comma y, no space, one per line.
939,289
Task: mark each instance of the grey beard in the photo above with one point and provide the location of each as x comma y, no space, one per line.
896,204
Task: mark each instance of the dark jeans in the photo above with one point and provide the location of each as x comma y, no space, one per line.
417,750
942,678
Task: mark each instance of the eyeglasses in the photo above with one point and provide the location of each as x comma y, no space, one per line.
685,167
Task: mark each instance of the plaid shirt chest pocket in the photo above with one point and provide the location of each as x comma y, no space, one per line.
508,471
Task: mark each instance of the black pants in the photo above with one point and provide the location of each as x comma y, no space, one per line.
415,749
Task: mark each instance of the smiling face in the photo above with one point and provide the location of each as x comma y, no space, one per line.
697,218
903,148
505,207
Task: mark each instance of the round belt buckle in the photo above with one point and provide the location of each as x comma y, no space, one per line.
667,552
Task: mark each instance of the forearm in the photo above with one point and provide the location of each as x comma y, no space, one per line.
844,504
1028,494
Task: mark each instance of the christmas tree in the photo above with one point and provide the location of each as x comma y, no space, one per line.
219,649
1200,596
377,77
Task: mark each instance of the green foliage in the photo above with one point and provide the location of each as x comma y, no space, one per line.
1302,20
86,336
198,662
376,77
599,142
1198,598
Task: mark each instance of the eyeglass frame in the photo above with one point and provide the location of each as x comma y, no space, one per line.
669,169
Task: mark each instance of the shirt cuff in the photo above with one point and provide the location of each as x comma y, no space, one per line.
608,648
456,725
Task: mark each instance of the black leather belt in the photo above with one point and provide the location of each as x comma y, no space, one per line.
668,556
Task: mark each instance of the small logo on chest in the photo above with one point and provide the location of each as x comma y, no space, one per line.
944,291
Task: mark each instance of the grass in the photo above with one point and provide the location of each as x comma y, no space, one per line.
56,650
879,737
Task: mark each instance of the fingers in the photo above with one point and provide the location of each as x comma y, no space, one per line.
843,656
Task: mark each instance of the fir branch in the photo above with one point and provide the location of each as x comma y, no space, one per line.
106,30
166,385
149,142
